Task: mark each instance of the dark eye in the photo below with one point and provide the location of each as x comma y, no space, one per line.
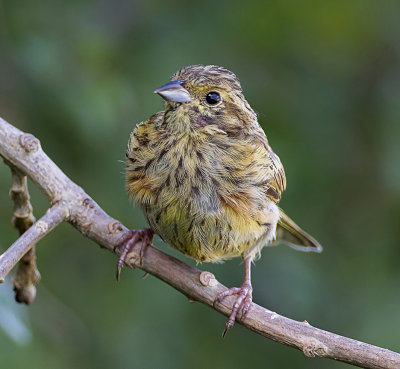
213,98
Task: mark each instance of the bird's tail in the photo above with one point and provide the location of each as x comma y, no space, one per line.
287,231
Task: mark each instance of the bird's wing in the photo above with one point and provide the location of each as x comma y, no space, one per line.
277,180
287,231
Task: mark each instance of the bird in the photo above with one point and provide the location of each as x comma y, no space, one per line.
207,180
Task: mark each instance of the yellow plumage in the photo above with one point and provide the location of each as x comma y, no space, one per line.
204,174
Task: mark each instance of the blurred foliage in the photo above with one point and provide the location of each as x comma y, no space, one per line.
324,77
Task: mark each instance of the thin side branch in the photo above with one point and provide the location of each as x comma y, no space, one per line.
23,216
24,152
53,217
27,275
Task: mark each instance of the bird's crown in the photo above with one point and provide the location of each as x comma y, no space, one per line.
210,75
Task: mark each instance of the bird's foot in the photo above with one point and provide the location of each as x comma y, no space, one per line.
242,303
128,241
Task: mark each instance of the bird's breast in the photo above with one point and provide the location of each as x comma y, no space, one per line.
202,196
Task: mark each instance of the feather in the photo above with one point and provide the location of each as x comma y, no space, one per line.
288,232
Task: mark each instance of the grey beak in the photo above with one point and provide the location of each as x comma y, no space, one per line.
173,91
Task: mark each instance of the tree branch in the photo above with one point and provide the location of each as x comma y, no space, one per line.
53,217
27,275
71,203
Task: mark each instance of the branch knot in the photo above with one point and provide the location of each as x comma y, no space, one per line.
114,226
312,347
29,142
208,279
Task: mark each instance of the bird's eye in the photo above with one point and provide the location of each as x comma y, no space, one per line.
213,98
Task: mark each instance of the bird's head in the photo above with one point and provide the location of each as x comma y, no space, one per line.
200,96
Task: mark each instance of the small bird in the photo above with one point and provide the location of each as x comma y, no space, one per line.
206,178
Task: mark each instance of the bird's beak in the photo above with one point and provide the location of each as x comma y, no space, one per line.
173,91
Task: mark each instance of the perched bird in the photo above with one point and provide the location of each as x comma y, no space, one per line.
206,178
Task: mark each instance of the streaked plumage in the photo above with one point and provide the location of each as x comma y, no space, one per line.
204,174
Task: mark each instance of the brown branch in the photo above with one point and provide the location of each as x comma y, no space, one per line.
53,217
71,202
27,275
23,216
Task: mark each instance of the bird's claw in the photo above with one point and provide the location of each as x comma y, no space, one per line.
128,241
242,303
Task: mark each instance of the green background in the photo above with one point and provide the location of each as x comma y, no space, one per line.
324,77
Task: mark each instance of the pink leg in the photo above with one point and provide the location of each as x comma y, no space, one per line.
243,300
128,241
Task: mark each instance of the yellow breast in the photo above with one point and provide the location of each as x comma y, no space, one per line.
203,194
